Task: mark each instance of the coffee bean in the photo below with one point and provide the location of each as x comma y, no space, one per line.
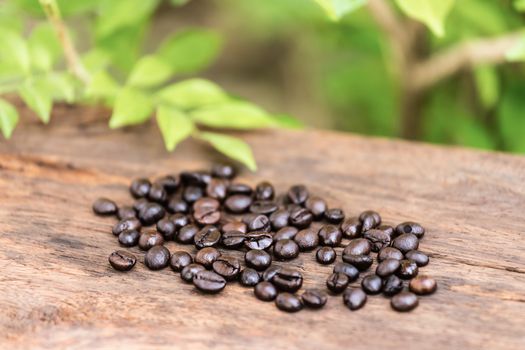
238,188
180,260
314,298
151,213
195,178
360,246
300,217
259,223
122,260
361,262
126,212
139,204
189,271
389,253
423,285
258,259
392,285
279,219
140,188
217,189
167,228
351,228
285,249
408,269
178,205
170,183
379,239
372,284
406,242
330,235
264,191
207,216
233,239
247,218
192,194
263,207
307,239
129,238
258,240
410,227
337,282
238,203
187,234
354,298
206,204
249,277
420,258
235,226
158,194
287,280
287,232
317,206
387,267
350,270
223,171
209,282
126,224
404,301
157,257
265,291
369,219
389,230
334,215
298,194
270,272
104,206
180,220
208,236
325,255
207,256
150,239
227,267
288,302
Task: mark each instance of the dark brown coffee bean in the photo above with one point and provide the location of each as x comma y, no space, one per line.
334,215
389,253
263,207
285,249
350,270
140,188
351,228
178,205
300,217
234,226
387,267
233,239
151,213
325,255
337,282
354,298
209,282
207,256
203,217
238,203
392,285
195,178
404,301
170,183
287,280
139,204
317,206
298,194
217,189
264,191
270,273
180,260
258,259
208,236
206,204
360,246
249,277
314,298
423,285
227,267
361,262
104,206
259,222
192,194
238,188
407,269
189,271
122,260
129,238
389,230
330,235
287,232
410,227
279,219
379,239
158,194
126,212
157,257
180,220
420,258
406,242
258,240
372,284
167,228
223,171
288,302
148,240
126,224
265,291
187,234
369,220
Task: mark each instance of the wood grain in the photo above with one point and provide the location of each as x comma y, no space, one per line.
58,291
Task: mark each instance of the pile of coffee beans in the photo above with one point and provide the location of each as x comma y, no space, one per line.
216,214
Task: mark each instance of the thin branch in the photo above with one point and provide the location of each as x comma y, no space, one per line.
72,58
462,56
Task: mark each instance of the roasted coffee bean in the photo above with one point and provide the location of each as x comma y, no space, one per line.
189,271
351,228
180,220
407,269
129,238
372,284
291,207
420,258
265,291
126,212
404,301
389,253
233,239
195,178
139,204
337,282
192,194
258,259
203,217
379,239
387,267
186,234
122,260
354,298
287,232
227,267
208,236
249,277
314,298
151,213
361,262
217,188
264,191
206,204
410,227
360,246
288,302
330,235
279,219
238,188
238,203
369,219
167,228
325,255
223,171
298,194
209,282
247,218
259,223
350,270
300,217
285,249
157,257
180,260
406,242
270,272
126,224
140,188
317,207
306,239
104,206
158,194
178,205
207,256
334,215
150,239
258,240
423,285
263,207
170,183
389,230
234,226
392,285
288,280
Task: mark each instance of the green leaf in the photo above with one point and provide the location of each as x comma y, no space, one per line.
14,52
62,86
511,118
335,9
517,52
44,47
287,122
431,12
131,107
102,85
233,115
38,98
149,71
190,50
487,83
519,5
95,60
116,14
8,118
232,147
174,125
192,93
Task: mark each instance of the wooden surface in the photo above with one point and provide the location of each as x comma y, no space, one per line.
57,289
